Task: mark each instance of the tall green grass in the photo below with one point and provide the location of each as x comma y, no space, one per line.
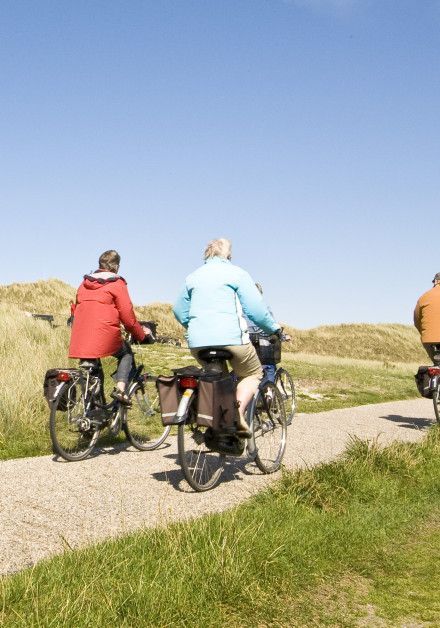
28,347
321,547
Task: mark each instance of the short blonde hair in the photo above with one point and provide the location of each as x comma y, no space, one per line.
221,247
110,260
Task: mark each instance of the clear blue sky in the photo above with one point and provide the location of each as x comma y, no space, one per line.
306,131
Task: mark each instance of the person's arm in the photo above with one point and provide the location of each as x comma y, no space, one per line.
253,304
181,307
417,318
126,312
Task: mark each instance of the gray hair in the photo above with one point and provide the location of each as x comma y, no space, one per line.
221,247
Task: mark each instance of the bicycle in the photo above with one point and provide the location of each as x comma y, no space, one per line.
79,411
270,353
434,381
202,451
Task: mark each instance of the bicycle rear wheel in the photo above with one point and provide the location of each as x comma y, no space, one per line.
72,433
201,467
267,418
436,402
143,422
284,383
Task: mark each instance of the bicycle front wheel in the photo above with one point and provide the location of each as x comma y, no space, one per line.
284,383
143,422
267,418
201,467
73,435
436,402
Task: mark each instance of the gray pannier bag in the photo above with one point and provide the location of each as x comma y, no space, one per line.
217,403
169,397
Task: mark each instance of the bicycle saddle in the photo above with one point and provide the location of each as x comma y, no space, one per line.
214,353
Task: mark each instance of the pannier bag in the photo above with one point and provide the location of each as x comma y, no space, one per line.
422,380
268,348
52,386
169,397
217,403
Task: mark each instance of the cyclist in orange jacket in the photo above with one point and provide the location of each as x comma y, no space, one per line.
427,317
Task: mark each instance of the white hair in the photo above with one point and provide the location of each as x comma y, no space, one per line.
221,247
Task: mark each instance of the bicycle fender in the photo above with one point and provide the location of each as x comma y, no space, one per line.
182,410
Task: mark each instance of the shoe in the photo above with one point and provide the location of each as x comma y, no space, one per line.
120,396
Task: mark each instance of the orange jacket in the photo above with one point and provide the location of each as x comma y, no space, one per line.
427,315
102,304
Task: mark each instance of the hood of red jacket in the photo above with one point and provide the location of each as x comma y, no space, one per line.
100,278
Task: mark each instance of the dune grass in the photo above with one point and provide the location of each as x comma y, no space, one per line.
351,542
379,342
29,347
383,342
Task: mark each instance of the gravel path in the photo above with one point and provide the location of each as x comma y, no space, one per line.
47,506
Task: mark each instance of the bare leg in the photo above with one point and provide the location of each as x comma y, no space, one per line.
246,389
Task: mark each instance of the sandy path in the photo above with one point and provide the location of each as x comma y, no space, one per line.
48,505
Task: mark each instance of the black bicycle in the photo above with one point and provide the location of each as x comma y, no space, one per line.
79,411
202,451
268,348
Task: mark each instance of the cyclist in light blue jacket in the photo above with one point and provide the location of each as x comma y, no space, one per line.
213,305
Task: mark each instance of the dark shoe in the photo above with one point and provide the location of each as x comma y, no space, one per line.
122,397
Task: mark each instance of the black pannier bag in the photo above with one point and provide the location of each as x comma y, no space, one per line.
217,402
422,380
268,348
52,386
169,398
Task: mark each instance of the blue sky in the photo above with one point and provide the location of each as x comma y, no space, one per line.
306,131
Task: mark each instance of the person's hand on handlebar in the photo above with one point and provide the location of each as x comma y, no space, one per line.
147,330
281,335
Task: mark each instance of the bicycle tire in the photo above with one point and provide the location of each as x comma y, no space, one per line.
143,422
286,386
436,403
267,418
202,468
73,437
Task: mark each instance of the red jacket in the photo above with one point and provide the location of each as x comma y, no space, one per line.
102,304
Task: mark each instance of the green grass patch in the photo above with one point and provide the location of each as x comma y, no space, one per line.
327,383
351,541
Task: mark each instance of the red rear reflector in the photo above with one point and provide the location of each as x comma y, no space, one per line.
63,377
188,382
434,370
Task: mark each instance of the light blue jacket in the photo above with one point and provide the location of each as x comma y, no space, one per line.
213,301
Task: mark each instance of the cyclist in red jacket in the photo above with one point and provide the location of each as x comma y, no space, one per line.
102,305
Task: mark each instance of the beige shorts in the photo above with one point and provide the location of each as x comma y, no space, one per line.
244,362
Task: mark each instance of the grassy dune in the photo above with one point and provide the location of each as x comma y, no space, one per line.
29,347
385,342
41,297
